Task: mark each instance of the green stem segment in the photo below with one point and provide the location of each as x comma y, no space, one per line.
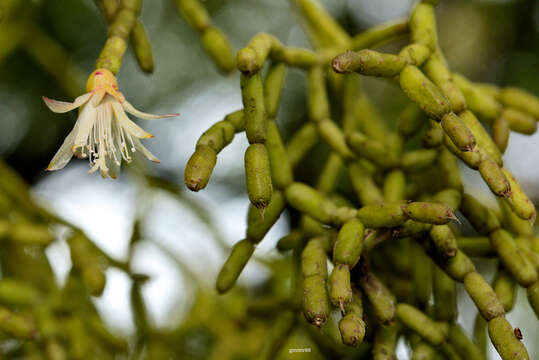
111,56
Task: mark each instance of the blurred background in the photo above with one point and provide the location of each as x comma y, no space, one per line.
51,46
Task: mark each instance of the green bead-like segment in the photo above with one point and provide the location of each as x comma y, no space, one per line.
301,143
418,160
273,88
459,133
281,170
330,174
350,94
373,36
445,296
340,288
479,102
385,342
258,175
458,266
423,351
218,48
482,218
213,40
520,99
348,245
312,228
421,269
364,186
416,320
314,270
112,54
251,58
385,215
423,92
371,149
237,119
514,223
120,29
259,224
475,246
450,197
369,62
314,259
520,203
411,228
352,329
480,333
110,9
519,121
380,298
371,122
483,296
449,170
415,54
410,120
533,297
298,57
231,270
494,177
211,142
444,240
218,136
471,158
520,268
356,305
125,19
394,186
311,202
505,341
484,141
437,71
317,95
321,26
334,137
194,13
315,300
290,241
199,168
463,345
449,351
423,26
432,213
433,137
505,288
252,94
142,47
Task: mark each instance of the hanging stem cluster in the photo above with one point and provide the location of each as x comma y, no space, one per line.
403,227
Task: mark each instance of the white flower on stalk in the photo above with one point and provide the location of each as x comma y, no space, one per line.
103,133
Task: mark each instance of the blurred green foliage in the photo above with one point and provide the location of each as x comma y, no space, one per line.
48,47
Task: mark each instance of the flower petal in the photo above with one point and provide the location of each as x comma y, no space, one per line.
63,155
144,151
84,125
127,124
130,109
114,168
98,96
63,107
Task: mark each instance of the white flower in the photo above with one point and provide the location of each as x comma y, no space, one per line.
103,133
